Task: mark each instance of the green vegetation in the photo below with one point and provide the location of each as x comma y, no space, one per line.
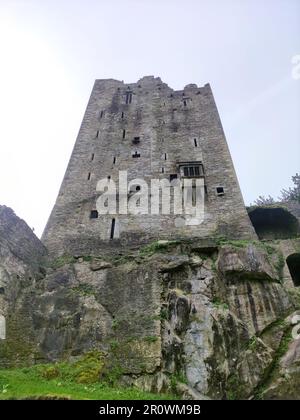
84,289
151,338
77,380
220,305
61,261
158,246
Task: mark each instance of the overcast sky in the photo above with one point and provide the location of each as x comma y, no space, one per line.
52,50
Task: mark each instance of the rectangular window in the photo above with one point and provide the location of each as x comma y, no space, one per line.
89,176
114,160
162,170
124,134
195,143
128,97
97,134
94,214
136,140
165,156
193,171
173,176
136,155
122,115
101,114
220,190
92,157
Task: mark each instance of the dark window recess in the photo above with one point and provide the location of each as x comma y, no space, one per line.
293,263
205,189
92,157
220,190
128,98
108,177
162,170
97,134
94,214
122,115
112,230
136,140
136,155
193,171
184,103
114,160
195,143
124,134
165,156
2,290
101,114
173,176
138,188
89,176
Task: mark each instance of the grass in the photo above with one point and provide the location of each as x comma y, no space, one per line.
29,383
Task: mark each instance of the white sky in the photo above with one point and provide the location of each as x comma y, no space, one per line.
52,50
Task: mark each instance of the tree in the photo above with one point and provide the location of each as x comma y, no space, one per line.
292,194
264,201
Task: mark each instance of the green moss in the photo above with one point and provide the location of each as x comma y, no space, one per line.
151,339
61,261
84,289
158,246
219,304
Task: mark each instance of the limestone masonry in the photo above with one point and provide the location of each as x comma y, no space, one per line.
150,131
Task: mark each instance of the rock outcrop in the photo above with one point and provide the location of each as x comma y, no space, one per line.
209,320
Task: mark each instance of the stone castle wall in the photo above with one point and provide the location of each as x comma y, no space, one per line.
172,127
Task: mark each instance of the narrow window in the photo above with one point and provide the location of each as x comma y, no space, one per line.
165,156
97,134
173,176
89,176
122,115
197,171
186,171
124,134
184,103
136,155
195,143
128,97
191,172
220,190
101,114
94,214
205,189
112,230
114,161
92,157
162,170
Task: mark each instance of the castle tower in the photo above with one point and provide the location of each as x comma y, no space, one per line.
151,132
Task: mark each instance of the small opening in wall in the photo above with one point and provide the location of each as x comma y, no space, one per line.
101,114
108,177
136,155
162,170
93,155
89,176
122,115
138,188
184,103
114,160
165,156
112,230
124,134
2,290
136,140
94,214
173,176
293,263
205,189
195,143
97,134
220,190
